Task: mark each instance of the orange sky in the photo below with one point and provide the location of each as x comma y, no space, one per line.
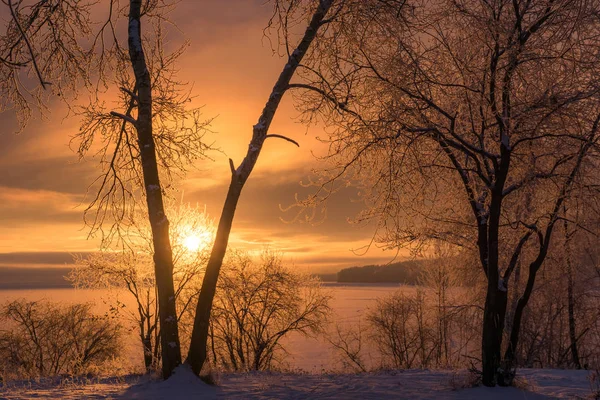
233,69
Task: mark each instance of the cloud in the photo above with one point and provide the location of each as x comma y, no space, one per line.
35,258
38,206
233,68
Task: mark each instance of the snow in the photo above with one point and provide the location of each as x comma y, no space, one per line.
134,32
505,141
410,384
182,385
501,285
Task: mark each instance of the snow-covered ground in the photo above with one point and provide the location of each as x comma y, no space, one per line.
412,384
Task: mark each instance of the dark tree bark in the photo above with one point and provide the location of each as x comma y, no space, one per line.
493,328
571,297
197,352
148,355
163,259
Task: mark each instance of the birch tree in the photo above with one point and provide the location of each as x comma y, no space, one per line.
141,145
453,118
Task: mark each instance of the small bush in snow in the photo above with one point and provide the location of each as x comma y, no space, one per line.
41,339
259,302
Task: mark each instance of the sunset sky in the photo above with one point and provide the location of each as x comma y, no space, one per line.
233,69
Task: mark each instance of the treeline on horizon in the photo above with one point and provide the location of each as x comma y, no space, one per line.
403,272
406,272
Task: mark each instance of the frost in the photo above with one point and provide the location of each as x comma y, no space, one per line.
134,32
260,125
170,318
153,187
501,285
505,141
172,344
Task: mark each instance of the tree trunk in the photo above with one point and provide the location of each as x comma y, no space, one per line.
148,356
239,176
571,299
494,311
163,258
493,328
197,350
513,341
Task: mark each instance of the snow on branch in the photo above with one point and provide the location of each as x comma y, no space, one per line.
127,118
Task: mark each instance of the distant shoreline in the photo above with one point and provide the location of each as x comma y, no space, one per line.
364,284
34,278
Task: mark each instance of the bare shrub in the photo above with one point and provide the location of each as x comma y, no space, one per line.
45,339
258,303
400,331
437,326
450,300
464,379
348,341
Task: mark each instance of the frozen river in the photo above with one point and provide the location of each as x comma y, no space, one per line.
349,302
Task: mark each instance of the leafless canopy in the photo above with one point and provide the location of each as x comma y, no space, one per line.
108,129
43,51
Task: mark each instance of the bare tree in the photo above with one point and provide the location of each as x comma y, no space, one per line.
441,277
257,304
568,237
348,341
449,117
142,145
286,11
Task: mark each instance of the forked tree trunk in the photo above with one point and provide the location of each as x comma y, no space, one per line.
544,243
513,340
163,258
197,351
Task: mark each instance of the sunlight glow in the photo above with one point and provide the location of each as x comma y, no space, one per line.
197,241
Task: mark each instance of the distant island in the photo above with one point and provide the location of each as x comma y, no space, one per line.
406,272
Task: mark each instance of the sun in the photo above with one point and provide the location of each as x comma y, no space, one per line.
195,242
